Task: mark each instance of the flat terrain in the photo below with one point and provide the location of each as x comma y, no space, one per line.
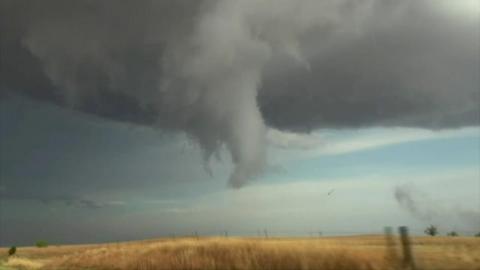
330,253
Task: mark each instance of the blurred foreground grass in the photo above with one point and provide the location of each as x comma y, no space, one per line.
329,253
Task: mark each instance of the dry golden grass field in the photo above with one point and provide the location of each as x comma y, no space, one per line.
330,253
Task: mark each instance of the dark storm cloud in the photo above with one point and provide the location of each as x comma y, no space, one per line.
222,71
418,69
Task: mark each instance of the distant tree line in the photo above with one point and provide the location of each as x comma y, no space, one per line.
433,231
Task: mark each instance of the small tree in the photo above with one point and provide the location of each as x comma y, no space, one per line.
41,244
452,233
477,235
12,251
431,230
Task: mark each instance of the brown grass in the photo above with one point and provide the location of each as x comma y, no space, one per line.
339,253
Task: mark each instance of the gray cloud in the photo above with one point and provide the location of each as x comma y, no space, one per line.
418,68
82,203
47,199
222,71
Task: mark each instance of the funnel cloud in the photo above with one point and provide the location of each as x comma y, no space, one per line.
226,72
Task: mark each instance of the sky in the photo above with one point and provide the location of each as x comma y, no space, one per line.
69,179
141,119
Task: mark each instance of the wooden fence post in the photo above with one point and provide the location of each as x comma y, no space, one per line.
408,261
391,254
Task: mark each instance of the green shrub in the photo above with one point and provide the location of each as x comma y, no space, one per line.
431,230
477,235
12,250
452,233
41,244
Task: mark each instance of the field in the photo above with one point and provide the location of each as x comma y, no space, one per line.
329,253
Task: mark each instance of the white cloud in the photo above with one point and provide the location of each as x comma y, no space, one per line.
286,144
292,140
